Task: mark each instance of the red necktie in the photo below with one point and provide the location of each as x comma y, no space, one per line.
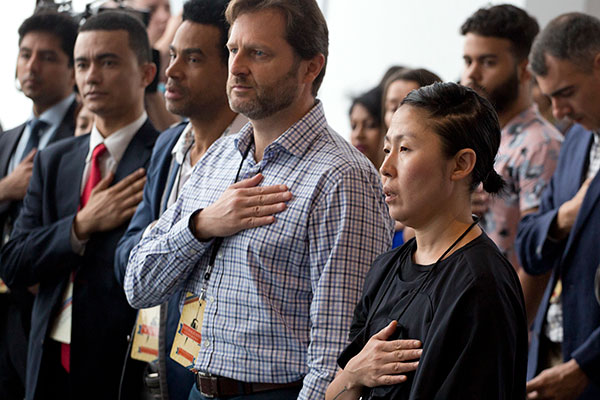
95,174
93,179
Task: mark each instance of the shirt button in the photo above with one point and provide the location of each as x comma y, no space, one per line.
220,254
206,344
211,299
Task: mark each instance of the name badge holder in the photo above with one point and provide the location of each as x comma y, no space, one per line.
188,339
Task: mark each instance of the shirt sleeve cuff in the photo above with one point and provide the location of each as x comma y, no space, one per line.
77,245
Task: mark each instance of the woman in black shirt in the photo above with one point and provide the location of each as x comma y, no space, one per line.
441,317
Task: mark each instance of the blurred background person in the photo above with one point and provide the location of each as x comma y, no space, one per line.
395,88
496,46
84,122
365,121
45,75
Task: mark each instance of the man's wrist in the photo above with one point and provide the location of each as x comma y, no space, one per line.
193,228
4,192
79,228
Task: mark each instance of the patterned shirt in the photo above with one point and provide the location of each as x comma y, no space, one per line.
526,159
281,296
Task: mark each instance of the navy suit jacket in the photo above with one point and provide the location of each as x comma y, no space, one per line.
179,380
10,139
573,259
40,252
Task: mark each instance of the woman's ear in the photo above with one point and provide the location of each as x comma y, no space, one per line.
464,162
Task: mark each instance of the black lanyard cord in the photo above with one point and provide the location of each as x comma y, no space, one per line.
219,240
423,282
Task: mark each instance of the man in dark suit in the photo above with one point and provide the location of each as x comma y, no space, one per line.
196,76
45,75
562,237
83,192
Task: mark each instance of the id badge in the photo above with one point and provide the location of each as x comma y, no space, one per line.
186,345
3,287
61,329
145,336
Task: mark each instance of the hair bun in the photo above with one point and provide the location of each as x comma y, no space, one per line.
493,183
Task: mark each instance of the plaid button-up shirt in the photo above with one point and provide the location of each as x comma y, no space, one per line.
281,296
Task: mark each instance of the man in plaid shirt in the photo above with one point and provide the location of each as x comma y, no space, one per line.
286,213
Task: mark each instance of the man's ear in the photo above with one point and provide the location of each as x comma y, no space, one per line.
597,62
464,162
148,73
313,68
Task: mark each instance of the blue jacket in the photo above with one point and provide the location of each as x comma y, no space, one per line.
573,259
158,178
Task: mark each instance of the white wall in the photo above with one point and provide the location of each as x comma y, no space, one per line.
367,37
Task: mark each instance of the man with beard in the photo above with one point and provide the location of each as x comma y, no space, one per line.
197,76
276,227
497,43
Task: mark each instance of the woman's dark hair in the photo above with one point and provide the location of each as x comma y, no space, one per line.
370,100
463,119
421,76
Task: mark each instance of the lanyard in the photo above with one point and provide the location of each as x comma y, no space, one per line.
219,240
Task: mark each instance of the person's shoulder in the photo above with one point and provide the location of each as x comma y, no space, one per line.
17,130
170,135
64,145
536,131
485,263
333,154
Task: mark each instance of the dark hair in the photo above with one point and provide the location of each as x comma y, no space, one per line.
209,12
306,28
119,20
463,119
507,22
370,100
60,25
574,37
420,76
394,69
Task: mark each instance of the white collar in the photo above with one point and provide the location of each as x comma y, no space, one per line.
186,139
117,142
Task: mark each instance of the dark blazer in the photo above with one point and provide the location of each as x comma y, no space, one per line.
15,314
40,252
179,380
10,139
574,259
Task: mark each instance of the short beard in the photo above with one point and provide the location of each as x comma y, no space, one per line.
505,94
269,99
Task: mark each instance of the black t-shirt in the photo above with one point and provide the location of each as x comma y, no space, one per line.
470,317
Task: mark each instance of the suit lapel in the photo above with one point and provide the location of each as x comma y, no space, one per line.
72,166
138,151
9,142
67,125
593,193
